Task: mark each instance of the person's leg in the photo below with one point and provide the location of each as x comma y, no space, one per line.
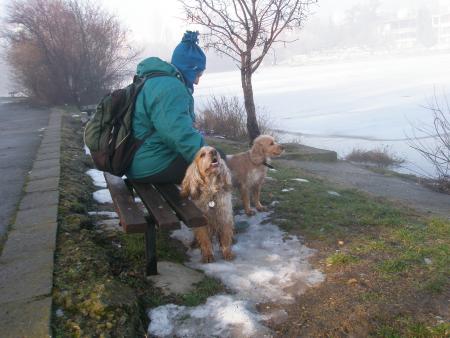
174,173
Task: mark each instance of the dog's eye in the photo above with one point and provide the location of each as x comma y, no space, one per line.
202,155
271,143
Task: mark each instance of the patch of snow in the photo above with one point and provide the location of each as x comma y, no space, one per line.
300,180
334,193
109,224
109,214
75,115
41,129
97,177
184,235
287,189
59,313
274,203
221,316
103,196
86,150
269,267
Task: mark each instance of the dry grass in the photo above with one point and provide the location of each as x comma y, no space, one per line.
380,157
226,116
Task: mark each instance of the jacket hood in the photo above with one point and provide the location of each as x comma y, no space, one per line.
155,64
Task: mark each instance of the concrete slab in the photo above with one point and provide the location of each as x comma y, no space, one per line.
42,164
300,152
26,278
49,148
23,243
28,318
44,173
45,184
175,278
42,199
49,156
36,217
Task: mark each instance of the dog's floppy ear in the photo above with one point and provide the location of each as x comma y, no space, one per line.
257,154
192,181
225,176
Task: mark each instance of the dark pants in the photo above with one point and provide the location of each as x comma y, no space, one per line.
174,173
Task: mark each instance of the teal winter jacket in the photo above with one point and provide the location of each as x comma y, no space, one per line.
164,117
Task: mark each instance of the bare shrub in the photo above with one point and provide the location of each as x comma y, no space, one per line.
380,157
226,116
65,51
437,153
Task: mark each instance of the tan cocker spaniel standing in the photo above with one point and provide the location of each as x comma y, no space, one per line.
249,170
208,183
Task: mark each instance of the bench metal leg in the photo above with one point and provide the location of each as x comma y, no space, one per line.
150,250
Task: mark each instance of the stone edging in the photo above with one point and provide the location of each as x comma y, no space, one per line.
26,263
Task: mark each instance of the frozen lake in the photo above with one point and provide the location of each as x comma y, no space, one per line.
342,106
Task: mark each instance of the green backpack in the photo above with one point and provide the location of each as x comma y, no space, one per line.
108,134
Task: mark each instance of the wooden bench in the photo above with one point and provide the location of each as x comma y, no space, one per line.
165,209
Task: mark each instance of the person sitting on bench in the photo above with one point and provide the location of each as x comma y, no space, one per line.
164,115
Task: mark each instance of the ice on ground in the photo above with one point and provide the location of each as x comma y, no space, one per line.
75,115
334,193
109,225
221,316
103,196
300,180
86,150
184,235
109,214
97,177
287,189
269,267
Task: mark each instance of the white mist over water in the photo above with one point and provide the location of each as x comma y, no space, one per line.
366,104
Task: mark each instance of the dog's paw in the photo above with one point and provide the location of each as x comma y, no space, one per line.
250,212
261,208
208,258
228,255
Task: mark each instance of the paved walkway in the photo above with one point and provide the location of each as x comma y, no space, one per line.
26,263
405,191
21,127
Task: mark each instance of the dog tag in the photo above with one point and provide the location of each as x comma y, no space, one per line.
211,204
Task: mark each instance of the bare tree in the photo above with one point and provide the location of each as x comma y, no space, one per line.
66,51
245,30
437,152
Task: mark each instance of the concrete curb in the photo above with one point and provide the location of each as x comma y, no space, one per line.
26,263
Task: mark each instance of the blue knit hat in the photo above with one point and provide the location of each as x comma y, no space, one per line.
189,58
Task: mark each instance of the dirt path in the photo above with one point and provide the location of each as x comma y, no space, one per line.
404,191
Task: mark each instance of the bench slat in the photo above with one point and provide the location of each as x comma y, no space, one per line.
159,209
131,217
186,210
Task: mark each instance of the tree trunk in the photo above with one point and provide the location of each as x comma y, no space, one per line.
252,122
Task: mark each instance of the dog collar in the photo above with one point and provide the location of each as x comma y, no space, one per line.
268,165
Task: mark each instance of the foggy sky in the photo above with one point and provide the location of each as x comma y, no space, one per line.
157,26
